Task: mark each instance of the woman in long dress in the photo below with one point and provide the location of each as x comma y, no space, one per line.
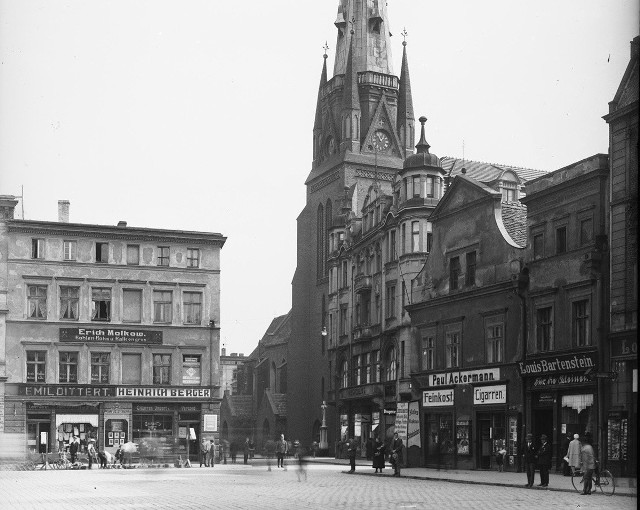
378,455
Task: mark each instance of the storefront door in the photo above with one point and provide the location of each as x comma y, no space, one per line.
484,441
542,424
38,436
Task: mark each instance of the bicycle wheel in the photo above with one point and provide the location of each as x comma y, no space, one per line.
576,481
607,483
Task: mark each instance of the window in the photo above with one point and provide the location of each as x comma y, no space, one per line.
586,231
403,238
538,246
37,248
36,366
132,305
404,298
193,257
162,369
345,275
392,245
131,368
100,304
580,323
70,250
509,192
68,367
561,240
429,237
390,365
37,301
544,328
415,236
376,319
416,186
191,369
452,335
162,304
343,320
428,350
192,307
454,272
69,301
102,252
430,187
375,366
344,374
163,255
133,254
494,332
366,362
391,301
357,371
470,278
100,367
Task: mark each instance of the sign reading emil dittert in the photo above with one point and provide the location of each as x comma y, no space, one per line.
110,335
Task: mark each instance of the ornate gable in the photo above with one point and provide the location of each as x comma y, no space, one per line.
382,132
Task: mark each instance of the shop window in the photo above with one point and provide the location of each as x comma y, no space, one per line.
580,323
586,231
192,302
102,252
544,328
37,301
100,367
69,303
452,336
561,240
153,433
70,250
162,305
162,369
36,366
191,369
577,413
428,349
68,367
100,304
37,248
454,272
344,374
82,426
132,305
133,254
494,333
538,246
470,278
131,368
193,257
163,256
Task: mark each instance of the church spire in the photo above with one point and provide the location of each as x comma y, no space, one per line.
406,118
317,125
351,103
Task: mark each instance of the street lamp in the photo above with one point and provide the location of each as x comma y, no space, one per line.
324,444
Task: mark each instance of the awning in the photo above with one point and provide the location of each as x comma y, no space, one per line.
91,419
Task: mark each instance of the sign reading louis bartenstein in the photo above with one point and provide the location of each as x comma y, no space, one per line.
110,335
466,377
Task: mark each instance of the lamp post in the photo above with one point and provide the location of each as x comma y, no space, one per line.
324,444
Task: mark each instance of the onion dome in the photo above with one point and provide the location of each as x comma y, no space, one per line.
422,158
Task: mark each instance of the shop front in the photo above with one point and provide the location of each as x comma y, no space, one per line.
361,418
561,399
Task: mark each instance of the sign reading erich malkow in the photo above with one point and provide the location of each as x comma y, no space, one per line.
110,335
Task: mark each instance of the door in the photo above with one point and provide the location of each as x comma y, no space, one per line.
484,442
542,424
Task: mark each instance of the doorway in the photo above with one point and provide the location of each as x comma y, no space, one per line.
542,424
484,442
38,436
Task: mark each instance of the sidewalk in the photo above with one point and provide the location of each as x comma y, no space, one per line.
557,482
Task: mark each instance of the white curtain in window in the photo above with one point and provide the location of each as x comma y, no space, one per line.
577,402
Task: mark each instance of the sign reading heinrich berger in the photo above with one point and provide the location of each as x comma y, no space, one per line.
110,335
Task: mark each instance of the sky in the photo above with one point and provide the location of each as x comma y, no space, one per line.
198,114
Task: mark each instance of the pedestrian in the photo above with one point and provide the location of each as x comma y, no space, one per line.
233,450
351,453
246,450
587,464
544,461
102,458
73,449
302,464
252,448
119,455
378,455
269,450
281,450
500,455
573,454
212,453
204,452
91,452
530,458
396,454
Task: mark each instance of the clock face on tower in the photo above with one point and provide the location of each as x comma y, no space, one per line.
381,140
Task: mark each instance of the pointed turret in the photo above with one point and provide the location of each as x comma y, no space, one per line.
406,119
350,106
317,125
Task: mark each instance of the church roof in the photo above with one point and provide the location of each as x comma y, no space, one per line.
278,402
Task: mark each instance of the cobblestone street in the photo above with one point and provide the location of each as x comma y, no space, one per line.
254,487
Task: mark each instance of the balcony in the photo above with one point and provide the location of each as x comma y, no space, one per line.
364,332
362,283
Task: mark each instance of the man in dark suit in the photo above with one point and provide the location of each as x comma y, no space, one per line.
544,461
530,459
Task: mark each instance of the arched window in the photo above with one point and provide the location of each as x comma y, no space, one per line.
390,364
320,233
344,374
272,377
327,226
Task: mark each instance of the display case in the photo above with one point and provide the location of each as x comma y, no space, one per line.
463,436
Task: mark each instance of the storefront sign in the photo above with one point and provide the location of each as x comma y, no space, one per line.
54,390
437,398
402,419
466,377
389,411
129,392
490,394
152,409
547,381
624,347
558,364
413,425
210,423
110,335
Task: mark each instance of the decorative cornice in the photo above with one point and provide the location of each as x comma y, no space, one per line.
371,174
121,267
324,181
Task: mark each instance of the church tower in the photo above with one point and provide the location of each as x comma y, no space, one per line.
364,128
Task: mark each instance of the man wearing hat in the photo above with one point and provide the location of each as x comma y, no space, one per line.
544,461
530,458
74,446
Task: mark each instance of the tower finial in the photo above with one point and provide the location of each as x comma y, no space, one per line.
404,36
325,48
352,22
422,146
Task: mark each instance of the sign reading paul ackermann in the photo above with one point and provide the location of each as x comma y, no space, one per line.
110,335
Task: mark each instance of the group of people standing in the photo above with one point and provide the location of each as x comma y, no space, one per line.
379,452
580,456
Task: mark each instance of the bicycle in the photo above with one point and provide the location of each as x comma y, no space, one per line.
602,479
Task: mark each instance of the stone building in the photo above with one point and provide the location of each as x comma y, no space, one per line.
622,393
229,364
108,332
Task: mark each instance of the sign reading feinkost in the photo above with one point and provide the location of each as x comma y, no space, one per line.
490,394
437,398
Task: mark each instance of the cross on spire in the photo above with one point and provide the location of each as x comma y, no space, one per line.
325,48
352,22
404,36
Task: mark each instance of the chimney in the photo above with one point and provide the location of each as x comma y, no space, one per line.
122,223
7,206
224,352
63,211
